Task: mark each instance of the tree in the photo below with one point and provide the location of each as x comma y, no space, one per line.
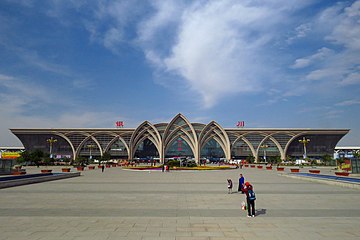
106,156
250,158
24,157
80,161
327,159
356,154
37,156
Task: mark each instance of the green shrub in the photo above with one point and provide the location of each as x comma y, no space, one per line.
173,163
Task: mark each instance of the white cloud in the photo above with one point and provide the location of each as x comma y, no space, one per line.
301,31
351,79
349,103
320,55
220,47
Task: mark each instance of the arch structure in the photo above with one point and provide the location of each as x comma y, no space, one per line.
235,143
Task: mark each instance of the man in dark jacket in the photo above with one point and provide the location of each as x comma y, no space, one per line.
241,183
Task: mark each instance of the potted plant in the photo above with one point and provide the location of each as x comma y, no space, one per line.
344,174
66,169
80,164
47,161
315,171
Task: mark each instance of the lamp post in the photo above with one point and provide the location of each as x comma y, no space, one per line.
304,141
264,146
90,147
51,141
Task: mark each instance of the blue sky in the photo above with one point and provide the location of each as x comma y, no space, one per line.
273,63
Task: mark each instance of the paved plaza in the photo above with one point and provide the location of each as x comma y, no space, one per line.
181,205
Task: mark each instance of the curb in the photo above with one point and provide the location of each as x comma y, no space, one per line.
329,182
47,178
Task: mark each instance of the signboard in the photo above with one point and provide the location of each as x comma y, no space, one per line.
9,155
119,124
346,166
240,124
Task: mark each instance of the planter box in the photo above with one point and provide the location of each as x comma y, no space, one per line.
260,167
246,165
113,165
80,168
280,169
314,171
99,166
294,170
66,169
91,167
18,173
108,166
252,166
342,174
268,168
46,171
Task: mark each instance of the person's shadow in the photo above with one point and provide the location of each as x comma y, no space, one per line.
260,211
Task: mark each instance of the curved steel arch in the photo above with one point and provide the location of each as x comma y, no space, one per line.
118,137
213,130
68,141
277,144
140,134
85,140
166,147
293,138
192,137
241,137
137,144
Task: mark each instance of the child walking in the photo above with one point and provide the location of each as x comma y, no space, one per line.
230,185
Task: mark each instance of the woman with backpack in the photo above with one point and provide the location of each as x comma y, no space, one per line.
250,199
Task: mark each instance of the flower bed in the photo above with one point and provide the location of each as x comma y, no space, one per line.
314,171
65,169
295,170
280,169
18,173
252,166
184,168
91,167
46,171
260,167
342,174
268,168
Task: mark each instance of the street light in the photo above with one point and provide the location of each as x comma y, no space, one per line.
264,146
304,141
51,141
90,147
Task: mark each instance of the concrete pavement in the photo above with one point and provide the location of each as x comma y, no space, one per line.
121,204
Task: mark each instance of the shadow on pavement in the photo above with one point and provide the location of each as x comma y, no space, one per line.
260,212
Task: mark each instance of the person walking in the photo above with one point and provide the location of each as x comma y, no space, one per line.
250,199
102,168
241,183
230,185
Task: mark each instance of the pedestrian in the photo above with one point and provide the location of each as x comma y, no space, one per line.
102,168
230,185
250,199
241,183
